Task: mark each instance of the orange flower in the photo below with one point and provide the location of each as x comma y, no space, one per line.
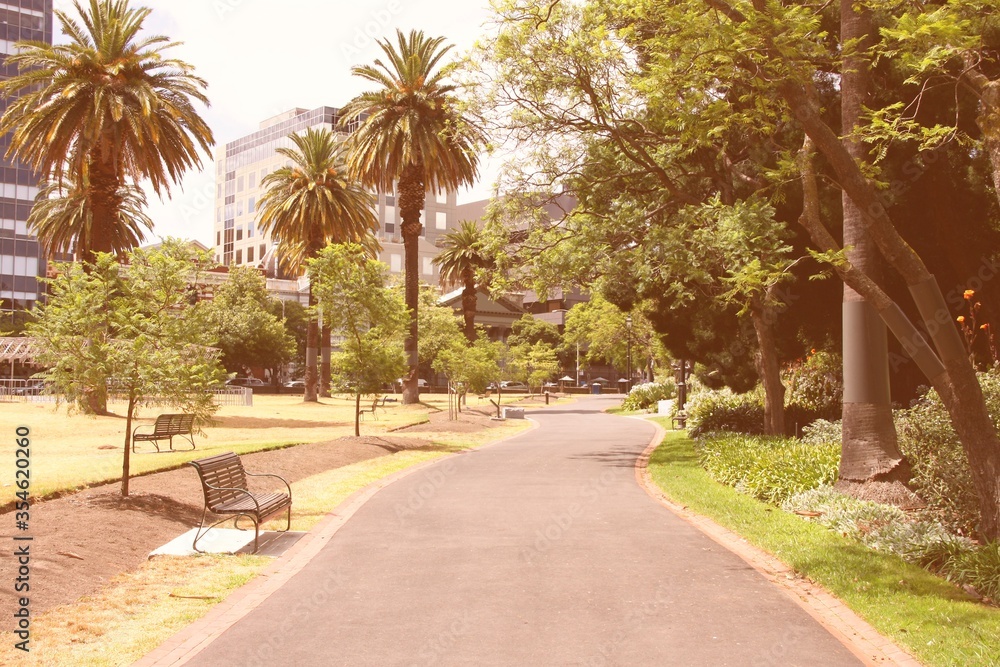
969,293
813,351
984,327
960,318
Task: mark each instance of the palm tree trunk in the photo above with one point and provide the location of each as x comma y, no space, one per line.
324,374
869,451
469,302
312,340
411,202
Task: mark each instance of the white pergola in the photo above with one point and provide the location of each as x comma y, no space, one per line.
17,348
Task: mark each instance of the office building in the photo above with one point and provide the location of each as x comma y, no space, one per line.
241,166
21,259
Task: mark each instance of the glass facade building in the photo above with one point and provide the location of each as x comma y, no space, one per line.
241,166
21,260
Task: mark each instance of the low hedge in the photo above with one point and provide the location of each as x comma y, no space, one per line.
767,468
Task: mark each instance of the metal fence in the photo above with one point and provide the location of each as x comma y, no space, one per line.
14,390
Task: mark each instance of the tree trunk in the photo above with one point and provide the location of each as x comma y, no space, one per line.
311,394
128,441
357,414
411,203
324,375
869,450
469,302
764,318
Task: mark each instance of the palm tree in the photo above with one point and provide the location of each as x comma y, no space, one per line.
412,132
309,204
105,111
63,220
461,257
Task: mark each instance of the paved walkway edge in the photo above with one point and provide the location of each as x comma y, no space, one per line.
192,639
855,633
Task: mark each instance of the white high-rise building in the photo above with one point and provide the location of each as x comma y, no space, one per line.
242,164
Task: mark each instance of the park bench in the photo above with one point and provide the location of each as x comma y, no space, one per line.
224,483
165,428
376,404
679,420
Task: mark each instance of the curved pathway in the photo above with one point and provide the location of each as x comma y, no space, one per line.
540,550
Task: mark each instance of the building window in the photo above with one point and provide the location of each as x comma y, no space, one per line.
441,197
250,230
263,250
441,220
252,181
218,214
251,205
239,184
239,256
239,207
250,255
218,238
428,266
395,263
239,233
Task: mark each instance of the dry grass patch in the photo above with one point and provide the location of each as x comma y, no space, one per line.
71,450
134,614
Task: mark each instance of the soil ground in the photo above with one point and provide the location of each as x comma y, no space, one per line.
83,540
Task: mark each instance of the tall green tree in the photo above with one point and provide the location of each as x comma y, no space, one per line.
602,331
134,328
461,257
789,50
440,329
245,330
100,114
413,138
367,315
306,206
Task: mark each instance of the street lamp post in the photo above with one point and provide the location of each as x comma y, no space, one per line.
628,324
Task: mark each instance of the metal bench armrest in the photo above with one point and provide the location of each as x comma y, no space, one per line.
267,474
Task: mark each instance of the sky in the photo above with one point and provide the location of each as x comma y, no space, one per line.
263,57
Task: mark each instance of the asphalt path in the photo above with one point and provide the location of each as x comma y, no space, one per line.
540,550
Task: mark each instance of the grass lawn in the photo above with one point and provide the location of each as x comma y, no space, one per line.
139,610
933,619
71,450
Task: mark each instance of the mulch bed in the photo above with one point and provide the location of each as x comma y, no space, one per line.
85,539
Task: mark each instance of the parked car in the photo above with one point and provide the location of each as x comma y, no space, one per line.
421,383
246,382
295,384
514,386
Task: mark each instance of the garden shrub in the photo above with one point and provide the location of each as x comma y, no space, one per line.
821,432
918,539
941,474
979,568
722,410
645,396
814,387
770,469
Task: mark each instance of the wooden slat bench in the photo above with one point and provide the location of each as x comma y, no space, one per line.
165,428
373,409
224,483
